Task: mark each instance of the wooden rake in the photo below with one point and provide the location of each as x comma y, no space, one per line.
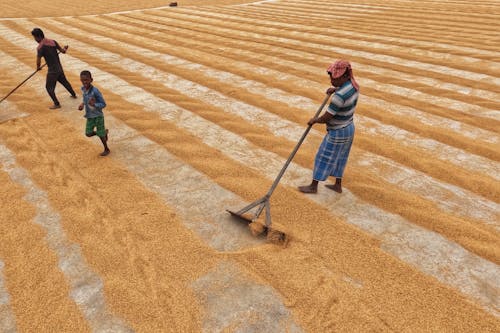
273,235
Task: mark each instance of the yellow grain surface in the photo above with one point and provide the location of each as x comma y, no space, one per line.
332,276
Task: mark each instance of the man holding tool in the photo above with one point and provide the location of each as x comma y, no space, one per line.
49,49
333,153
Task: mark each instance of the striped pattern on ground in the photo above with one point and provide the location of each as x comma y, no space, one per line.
207,102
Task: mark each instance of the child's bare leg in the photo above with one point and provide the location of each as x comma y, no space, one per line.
104,140
311,188
337,187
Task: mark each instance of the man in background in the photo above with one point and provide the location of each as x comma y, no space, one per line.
49,49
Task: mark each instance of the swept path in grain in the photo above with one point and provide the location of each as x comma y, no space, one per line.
35,293
10,111
86,286
7,320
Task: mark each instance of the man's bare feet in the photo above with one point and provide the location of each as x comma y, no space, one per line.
106,152
55,106
336,187
308,189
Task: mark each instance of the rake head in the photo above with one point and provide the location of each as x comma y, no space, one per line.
257,228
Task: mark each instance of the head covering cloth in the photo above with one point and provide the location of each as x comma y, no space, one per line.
339,67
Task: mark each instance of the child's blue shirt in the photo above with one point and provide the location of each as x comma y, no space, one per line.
96,110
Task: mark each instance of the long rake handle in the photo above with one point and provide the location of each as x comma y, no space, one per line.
20,84
29,77
263,203
297,146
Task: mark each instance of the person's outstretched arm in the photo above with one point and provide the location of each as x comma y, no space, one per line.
61,49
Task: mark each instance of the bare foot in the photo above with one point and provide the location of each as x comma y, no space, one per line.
55,106
335,187
308,189
106,152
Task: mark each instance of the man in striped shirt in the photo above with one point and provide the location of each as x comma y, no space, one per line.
333,153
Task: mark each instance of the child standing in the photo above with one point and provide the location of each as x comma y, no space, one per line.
93,103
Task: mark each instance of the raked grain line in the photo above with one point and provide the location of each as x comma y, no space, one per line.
221,29
7,319
375,47
389,26
227,13
459,157
86,286
10,111
406,112
263,1
350,8
291,15
428,251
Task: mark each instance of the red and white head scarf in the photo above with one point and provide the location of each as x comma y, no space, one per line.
339,67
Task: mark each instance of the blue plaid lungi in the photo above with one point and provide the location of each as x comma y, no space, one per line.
332,155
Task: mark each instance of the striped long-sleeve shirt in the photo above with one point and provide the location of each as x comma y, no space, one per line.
342,106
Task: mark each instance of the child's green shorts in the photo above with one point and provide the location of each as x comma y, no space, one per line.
98,124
